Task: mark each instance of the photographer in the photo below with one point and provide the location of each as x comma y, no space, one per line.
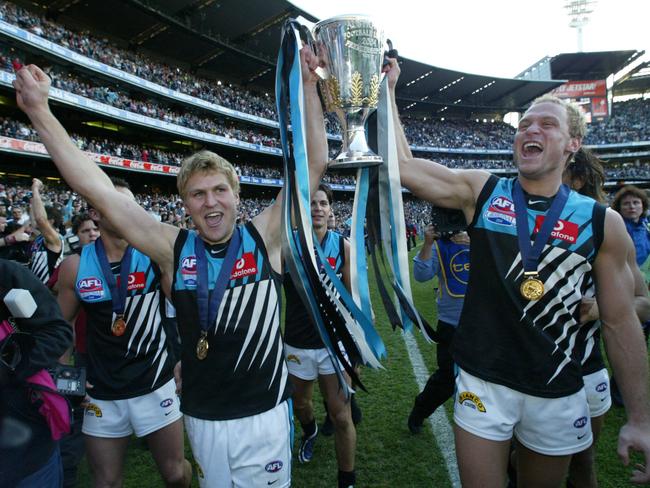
445,253
37,462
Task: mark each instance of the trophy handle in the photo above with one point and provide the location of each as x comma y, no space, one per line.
307,36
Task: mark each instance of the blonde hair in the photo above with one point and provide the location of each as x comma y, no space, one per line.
575,118
206,162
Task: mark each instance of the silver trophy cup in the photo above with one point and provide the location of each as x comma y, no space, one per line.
352,48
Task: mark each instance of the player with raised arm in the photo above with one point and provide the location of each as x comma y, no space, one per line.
46,251
519,371
234,377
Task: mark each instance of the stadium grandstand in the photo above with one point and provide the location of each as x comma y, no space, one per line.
138,105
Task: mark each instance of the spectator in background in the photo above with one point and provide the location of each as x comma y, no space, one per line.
632,204
47,248
448,258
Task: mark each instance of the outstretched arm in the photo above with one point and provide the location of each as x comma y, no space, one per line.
268,222
624,340
51,235
428,180
85,177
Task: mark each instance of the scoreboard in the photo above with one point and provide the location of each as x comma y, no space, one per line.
590,95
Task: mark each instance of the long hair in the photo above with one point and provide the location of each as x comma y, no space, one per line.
588,170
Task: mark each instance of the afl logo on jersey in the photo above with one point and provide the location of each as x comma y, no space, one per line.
501,211
91,288
601,387
245,266
188,270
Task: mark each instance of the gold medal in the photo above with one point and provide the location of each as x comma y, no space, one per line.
202,346
532,287
119,326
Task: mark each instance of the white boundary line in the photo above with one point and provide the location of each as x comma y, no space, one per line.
442,432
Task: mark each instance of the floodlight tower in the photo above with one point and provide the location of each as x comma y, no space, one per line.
579,11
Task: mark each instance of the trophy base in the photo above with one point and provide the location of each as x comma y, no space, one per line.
351,161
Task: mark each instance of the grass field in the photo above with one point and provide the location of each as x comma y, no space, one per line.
387,454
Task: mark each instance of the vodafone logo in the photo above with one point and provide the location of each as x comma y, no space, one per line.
136,281
332,262
244,266
563,230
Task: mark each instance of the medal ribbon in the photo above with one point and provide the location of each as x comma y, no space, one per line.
530,254
118,294
208,309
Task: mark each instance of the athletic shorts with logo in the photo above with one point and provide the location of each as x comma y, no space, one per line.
551,426
598,392
308,364
247,452
143,414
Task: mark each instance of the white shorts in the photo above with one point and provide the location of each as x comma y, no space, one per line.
143,414
598,393
308,364
551,426
247,452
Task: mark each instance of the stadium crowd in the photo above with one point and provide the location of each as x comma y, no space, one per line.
19,130
628,122
169,208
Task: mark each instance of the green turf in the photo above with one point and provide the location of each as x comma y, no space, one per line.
387,454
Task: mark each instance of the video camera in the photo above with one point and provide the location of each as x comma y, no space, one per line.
448,221
20,304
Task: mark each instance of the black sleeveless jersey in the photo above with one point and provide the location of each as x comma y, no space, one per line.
530,346
139,361
244,372
299,330
42,261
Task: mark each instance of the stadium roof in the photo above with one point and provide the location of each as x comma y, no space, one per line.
580,66
590,66
436,91
241,40
636,81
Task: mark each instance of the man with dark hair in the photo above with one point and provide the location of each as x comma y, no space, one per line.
519,367
85,228
47,249
307,357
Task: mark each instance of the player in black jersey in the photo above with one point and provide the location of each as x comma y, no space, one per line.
131,372
519,373
307,357
47,248
234,379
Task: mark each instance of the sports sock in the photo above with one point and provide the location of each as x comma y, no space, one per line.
347,479
309,429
